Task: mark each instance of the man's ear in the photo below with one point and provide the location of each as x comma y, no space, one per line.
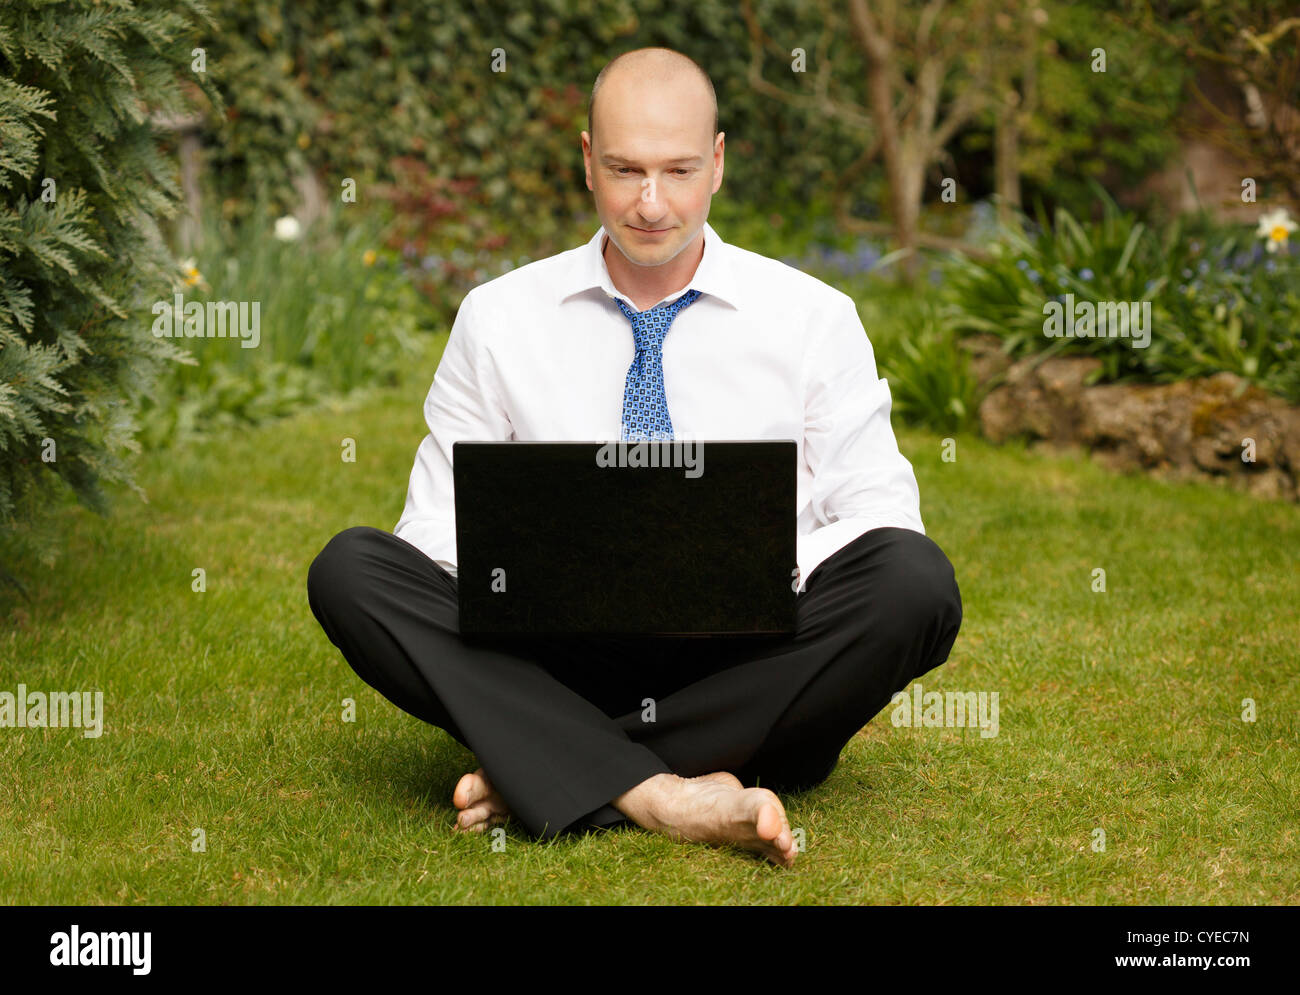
586,158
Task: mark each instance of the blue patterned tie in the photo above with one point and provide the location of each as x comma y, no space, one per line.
645,405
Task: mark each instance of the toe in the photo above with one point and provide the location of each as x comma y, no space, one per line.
473,816
460,797
771,825
471,790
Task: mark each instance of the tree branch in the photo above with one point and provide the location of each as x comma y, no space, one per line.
818,101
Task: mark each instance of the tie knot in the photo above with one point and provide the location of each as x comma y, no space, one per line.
650,327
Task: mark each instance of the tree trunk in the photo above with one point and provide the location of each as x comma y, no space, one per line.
905,204
908,194
1006,165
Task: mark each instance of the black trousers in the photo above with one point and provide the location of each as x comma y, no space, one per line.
561,726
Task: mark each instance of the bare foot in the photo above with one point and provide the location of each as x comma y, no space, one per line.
716,809
479,803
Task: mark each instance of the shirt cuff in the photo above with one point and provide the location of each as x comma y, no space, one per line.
821,544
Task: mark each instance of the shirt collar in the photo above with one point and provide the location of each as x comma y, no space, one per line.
713,276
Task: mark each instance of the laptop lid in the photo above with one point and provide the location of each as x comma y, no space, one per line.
676,538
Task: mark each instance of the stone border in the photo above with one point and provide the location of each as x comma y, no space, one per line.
1193,429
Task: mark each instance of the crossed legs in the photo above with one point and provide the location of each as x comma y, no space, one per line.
669,734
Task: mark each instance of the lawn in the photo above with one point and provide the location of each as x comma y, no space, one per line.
1119,711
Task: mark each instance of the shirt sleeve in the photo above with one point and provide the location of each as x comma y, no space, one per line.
463,404
861,481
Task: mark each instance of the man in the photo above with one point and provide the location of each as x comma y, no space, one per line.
757,350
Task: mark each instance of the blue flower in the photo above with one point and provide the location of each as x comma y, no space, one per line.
1085,274
866,257
1033,276
1022,264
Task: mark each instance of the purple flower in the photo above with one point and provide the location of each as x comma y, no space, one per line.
866,257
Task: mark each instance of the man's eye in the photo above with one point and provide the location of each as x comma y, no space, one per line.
682,170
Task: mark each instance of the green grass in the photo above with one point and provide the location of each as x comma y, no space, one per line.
1119,711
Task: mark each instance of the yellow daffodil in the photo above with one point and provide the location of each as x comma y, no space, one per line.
1276,227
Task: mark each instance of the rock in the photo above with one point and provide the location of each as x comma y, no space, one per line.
1193,428
987,359
1272,484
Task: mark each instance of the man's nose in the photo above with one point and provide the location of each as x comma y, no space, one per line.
651,205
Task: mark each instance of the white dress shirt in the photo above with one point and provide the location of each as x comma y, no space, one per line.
767,352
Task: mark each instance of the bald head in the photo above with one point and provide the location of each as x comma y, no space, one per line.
656,68
653,165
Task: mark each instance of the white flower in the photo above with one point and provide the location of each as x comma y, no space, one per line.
190,269
1275,226
287,228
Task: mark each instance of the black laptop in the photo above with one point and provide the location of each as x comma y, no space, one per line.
655,538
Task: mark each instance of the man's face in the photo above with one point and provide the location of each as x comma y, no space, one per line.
653,166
